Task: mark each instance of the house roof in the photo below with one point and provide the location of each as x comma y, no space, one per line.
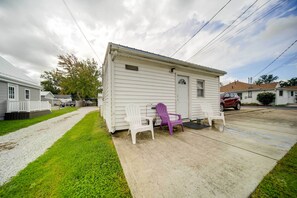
62,96
289,88
10,73
241,86
137,53
45,93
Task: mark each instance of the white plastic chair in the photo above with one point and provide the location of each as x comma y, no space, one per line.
209,113
134,119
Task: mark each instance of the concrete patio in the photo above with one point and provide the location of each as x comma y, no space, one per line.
208,163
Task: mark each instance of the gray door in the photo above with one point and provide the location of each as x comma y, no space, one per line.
182,96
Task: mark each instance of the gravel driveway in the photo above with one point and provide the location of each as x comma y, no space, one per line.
21,147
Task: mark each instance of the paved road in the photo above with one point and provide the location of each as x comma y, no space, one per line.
21,147
271,107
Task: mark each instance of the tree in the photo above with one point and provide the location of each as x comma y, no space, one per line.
51,82
266,98
265,79
291,82
79,77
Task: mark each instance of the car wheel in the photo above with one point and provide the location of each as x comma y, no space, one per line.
221,107
238,106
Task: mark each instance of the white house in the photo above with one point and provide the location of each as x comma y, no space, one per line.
19,94
47,96
139,77
249,92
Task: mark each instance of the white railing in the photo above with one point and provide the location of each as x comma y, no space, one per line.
27,106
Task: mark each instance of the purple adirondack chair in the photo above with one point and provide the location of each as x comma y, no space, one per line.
164,115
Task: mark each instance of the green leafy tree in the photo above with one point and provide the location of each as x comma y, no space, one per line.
51,81
291,82
266,98
79,77
265,79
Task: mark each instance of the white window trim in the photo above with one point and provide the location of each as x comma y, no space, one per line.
203,81
29,94
251,94
16,90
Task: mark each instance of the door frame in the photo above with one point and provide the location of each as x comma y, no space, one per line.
189,100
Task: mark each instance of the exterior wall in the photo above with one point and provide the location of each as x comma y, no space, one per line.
3,98
153,83
286,97
246,100
34,93
106,94
292,99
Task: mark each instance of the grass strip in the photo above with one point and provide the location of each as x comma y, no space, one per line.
282,180
83,163
7,126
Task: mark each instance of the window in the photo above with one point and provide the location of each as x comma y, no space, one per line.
292,93
280,93
182,82
27,94
250,94
240,95
11,92
200,88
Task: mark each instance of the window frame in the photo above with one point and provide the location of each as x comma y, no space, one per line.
292,93
250,94
26,94
280,93
15,92
203,88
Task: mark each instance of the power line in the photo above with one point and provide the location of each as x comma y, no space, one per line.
81,30
275,59
226,33
201,28
223,30
284,64
245,27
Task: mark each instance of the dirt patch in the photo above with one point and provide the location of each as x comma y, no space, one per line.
7,145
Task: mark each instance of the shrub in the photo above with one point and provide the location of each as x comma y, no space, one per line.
266,98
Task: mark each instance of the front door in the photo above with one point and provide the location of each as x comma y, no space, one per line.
182,96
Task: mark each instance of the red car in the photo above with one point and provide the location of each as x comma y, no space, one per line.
230,100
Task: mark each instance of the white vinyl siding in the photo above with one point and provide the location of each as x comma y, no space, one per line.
151,84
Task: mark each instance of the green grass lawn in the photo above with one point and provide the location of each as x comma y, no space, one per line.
7,126
83,163
282,180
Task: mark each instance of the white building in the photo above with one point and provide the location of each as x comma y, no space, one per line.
143,78
249,92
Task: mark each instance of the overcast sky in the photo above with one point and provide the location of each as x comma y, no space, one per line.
34,32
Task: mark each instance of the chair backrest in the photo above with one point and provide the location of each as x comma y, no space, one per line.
133,114
162,112
206,108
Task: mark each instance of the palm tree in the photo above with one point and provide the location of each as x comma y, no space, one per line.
265,79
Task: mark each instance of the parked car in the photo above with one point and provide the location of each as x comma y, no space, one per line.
230,100
70,103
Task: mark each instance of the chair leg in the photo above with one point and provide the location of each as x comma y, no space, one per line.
209,122
153,136
224,122
170,129
182,126
133,136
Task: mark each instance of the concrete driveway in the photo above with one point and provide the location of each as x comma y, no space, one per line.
208,163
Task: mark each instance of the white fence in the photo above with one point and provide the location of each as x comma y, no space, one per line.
27,106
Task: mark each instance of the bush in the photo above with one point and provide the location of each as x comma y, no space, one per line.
266,98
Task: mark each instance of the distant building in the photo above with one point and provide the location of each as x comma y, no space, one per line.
249,92
19,94
63,98
47,96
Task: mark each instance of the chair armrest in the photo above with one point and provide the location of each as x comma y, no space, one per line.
148,118
222,114
179,116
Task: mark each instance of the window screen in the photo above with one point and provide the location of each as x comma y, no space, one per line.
200,88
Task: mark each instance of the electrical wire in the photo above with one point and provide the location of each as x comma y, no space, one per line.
275,59
223,30
75,21
204,25
284,64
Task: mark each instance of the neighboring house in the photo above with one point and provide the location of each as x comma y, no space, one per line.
19,94
63,98
134,76
248,92
47,96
